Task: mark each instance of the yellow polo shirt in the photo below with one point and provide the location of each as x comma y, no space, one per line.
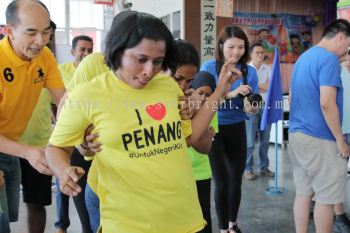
91,66
67,71
21,83
145,179
38,130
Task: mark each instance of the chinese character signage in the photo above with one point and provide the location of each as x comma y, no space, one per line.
208,29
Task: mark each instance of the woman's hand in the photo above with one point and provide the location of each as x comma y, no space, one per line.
69,180
228,75
186,106
248,107
242,89
90,144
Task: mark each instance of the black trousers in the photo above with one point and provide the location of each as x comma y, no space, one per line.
203,190
227,160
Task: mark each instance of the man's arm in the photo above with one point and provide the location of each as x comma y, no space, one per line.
331,114
263,87
57,94
58,159
34,155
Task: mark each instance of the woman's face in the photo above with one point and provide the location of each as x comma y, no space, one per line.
204,90
184,75
141,63
233,48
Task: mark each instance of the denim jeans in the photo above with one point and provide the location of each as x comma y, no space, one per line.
93,207
9,194
253,126
62,209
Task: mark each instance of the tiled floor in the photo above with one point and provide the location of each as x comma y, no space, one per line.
259,212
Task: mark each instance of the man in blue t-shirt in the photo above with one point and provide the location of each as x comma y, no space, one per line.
316,144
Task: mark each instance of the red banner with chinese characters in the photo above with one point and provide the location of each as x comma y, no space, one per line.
105,2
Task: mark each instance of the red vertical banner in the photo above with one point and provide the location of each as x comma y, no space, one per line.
105,2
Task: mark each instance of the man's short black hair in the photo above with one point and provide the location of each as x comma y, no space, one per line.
12,12
53,25
256,44
335,27
81,37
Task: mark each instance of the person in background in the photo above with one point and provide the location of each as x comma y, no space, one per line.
257,52
341,221
187,65
317,147
204,85
81,47
229,150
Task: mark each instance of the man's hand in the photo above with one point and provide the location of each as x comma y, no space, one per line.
68,180
36,158
186,108
90,141
343,148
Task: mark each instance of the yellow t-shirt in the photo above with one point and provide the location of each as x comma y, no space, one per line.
38,130
21,83
91,66
67,71
145,179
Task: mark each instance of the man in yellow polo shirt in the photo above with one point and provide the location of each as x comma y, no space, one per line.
26,66
81,47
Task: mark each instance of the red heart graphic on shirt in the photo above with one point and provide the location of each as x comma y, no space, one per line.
156,111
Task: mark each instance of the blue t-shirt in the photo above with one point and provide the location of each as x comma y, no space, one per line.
315,68
231,111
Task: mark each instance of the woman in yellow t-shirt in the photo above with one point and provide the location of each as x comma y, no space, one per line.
145,181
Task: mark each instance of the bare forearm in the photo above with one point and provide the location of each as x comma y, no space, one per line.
331,115
264,86
13,148
58,158
203,144
203,117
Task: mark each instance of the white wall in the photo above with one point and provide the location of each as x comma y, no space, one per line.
63,54
158,8
3,5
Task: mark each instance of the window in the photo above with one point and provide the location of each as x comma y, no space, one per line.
176,25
